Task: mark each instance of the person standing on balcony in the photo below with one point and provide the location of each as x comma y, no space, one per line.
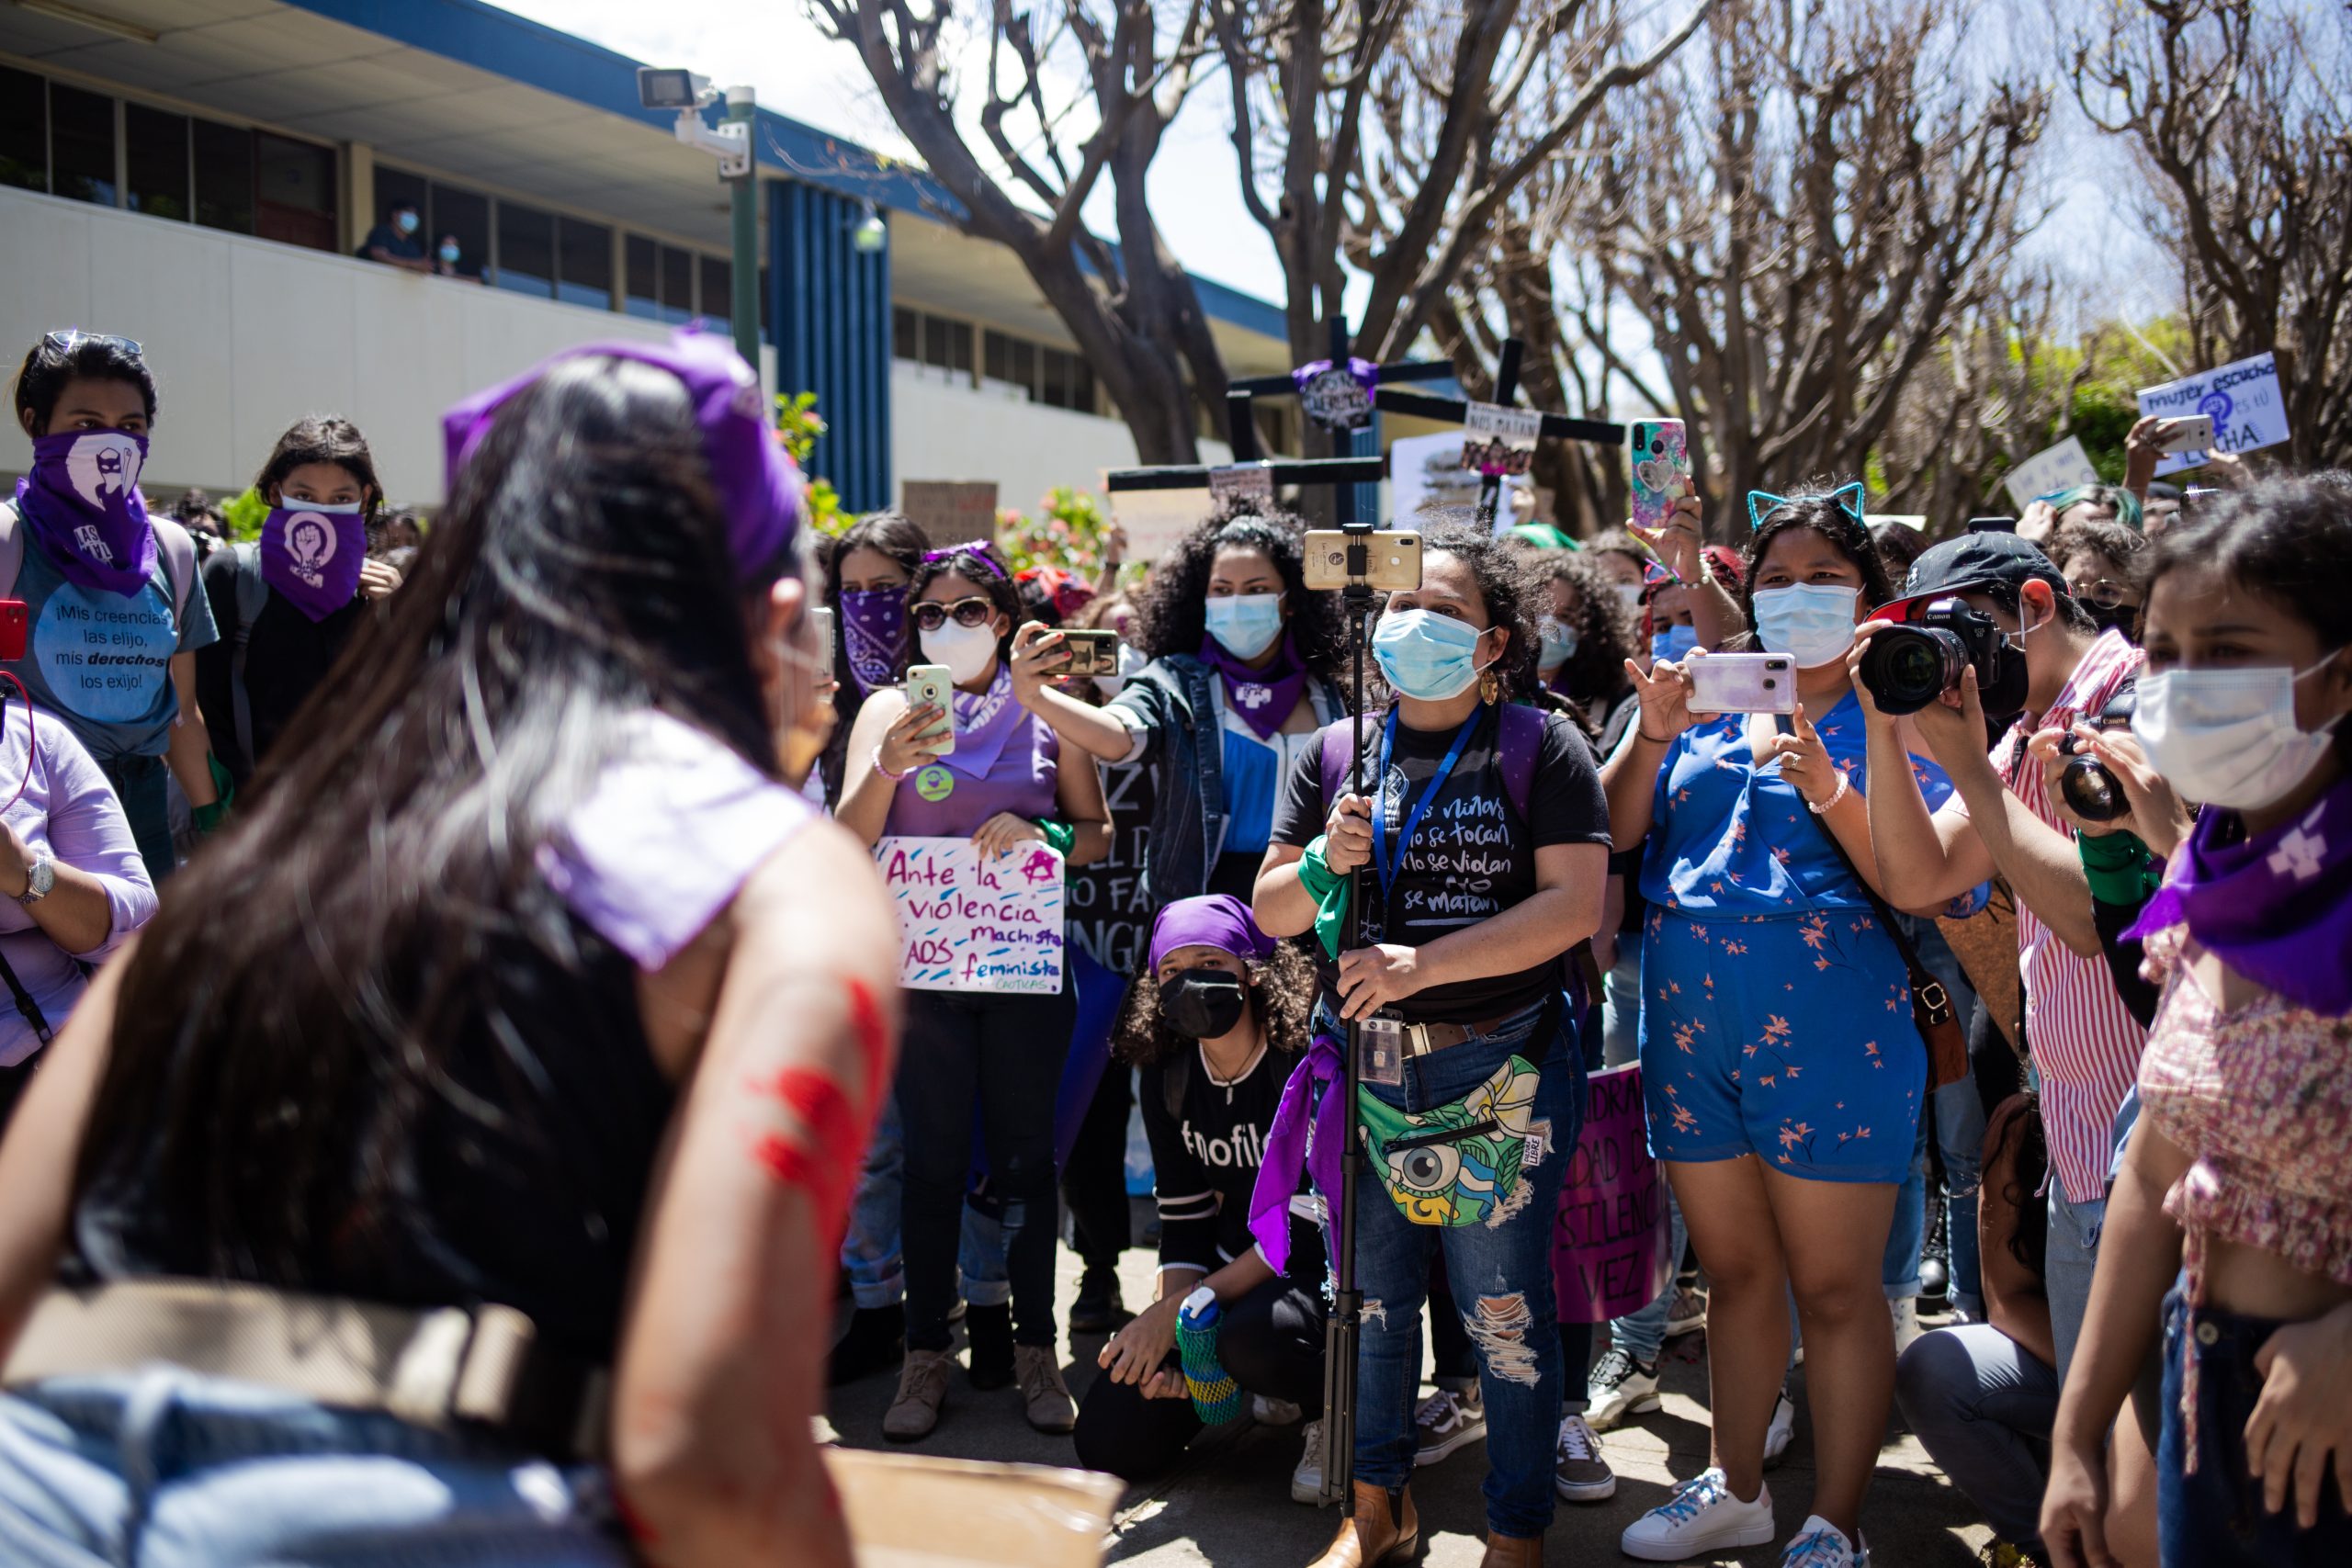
393,241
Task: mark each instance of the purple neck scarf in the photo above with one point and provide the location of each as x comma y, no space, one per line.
2277,908
313,555
874,627
1289,1148
984,723
82,503
1263,698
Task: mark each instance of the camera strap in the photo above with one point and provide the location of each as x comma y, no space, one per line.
34,1017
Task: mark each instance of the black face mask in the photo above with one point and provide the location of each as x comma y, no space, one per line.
2124,618
1202,1004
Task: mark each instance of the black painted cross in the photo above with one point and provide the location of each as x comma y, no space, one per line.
1506,425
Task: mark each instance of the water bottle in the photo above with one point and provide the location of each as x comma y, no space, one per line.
1216,1397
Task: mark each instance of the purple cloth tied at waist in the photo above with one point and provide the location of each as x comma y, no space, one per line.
1289,1149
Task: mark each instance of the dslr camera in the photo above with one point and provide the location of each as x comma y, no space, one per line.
2091,789
1910,666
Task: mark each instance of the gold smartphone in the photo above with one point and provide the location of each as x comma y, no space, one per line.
930,685
1392,560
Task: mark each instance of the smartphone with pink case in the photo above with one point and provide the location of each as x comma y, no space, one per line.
1660,465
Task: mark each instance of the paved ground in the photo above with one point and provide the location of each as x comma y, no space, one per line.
1229,1505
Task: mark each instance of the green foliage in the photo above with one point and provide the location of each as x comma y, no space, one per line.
798,426
1069,534
245,517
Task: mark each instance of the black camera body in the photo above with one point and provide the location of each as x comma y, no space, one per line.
2091,789
1910,665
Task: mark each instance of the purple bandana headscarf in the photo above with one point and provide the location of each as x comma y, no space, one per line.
1263,698
312,556
757,482
2277,908
82,503
1212,920
874,627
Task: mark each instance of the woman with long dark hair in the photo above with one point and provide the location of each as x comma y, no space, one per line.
1001,785
527,1048
868,568
1243,669
1488,839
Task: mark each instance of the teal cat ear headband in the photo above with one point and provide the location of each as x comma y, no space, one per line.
1762,505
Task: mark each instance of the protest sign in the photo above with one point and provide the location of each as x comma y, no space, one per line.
2063,467
1428,469
1243,481
1498,440
1109,905
972,921
949,512
1915,521
2242,399
1156,519
1608,1240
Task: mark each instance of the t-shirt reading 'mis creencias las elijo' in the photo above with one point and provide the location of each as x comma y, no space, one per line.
102,663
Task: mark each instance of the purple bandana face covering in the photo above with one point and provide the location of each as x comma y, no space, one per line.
82,501
313,554
874,625
757,483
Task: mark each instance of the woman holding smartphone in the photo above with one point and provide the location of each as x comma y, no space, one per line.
1243,666
867,569
1785,1109
1486,838
2231,1220
1001,785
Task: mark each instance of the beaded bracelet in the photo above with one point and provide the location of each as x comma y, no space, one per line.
1835,796
882,768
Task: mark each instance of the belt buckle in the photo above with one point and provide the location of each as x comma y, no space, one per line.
1417,1039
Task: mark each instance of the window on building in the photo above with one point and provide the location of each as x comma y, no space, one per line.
395,186
906,334
584,263
224,177
462,215
641,289
947,345
80,144
718,293
677,284
1064,380
526,250
295,188
24,129
155,160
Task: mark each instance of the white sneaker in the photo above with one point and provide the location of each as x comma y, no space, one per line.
1307,1481
1446,1421
1905,1310
1783,1429
1700,1518
1619,1387
1820,1544
1688,1313
1579,1474
1268,1411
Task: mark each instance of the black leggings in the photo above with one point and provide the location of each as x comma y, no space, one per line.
1004,1054
1270,1340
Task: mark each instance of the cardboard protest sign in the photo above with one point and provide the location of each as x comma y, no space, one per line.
2063,467
949,512
1430,469
1109,903
1243,481
1498,440
1608,1240
1156,519
973,921
2243,400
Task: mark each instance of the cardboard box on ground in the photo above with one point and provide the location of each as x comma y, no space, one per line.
912,1511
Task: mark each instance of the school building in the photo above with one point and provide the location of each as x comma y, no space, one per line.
197,175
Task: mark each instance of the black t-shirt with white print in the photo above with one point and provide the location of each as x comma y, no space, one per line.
1204,1156
1472,857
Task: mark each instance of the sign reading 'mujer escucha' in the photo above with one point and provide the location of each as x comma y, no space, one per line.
975,921
2243,398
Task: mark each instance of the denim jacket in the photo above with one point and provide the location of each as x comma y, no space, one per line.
1174,703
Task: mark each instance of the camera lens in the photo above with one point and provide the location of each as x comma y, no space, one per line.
2092,792
1908,667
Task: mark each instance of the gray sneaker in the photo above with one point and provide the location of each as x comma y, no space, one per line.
1581,1475
1447,1421
1619,1387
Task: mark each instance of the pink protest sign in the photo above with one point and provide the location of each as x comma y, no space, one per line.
1609,1238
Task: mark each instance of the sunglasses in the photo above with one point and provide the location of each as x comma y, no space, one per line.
930,614
65,341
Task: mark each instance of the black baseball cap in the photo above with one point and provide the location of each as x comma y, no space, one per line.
1999,561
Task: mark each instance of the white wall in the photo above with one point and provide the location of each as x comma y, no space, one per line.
245,336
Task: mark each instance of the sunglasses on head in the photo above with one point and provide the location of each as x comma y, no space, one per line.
66,341
930,614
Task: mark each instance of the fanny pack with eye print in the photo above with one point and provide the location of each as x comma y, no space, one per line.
1458,1164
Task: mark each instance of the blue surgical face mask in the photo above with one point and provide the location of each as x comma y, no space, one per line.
1245,625
405,222
1559,644
1674,644
1427,656
1813,623
450,255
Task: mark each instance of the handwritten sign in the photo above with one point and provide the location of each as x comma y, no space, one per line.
1500,440
973,921
1110,907
1243,481
952,511
1609,1241
2243,400
2063,467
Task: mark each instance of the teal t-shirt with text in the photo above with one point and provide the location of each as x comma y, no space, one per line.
102,663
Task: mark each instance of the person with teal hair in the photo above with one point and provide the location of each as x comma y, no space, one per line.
2044,515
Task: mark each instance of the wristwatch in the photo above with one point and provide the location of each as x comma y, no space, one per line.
39,878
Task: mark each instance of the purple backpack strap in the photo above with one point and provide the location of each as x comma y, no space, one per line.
1339,741
1523,745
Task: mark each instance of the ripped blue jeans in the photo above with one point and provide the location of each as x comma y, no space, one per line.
1502,1277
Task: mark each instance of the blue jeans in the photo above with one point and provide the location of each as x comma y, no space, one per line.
1501,1275
2215,1518
1982,1404
163,1468
1959,1132
1642,1334
2067,1260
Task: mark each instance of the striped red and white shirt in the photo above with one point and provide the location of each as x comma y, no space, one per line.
2085,1043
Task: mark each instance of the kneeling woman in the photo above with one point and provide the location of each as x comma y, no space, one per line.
1215,1022
1491,839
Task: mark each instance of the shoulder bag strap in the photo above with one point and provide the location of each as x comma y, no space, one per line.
12,548
248,559
25,1003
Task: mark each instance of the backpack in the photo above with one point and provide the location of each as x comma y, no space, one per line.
252,596
1517,747
172,542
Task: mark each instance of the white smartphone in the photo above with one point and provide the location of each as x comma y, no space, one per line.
2189,432
1742,682
930,685
821,617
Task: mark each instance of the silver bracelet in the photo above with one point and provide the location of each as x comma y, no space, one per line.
1835,796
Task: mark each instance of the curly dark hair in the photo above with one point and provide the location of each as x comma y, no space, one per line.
1509,590
1172,615
1813,508
1281,997
1595,670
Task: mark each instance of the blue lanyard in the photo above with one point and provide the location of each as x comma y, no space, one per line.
1381,853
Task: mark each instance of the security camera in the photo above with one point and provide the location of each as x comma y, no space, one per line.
659,87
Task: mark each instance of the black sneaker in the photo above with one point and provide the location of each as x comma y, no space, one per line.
1099,1309
988,1341
876,1342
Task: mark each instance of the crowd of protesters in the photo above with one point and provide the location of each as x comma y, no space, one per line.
511,1117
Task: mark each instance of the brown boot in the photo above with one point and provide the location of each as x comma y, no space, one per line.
1513,1552
922,1389
1374,1534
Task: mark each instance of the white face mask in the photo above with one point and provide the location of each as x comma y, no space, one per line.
1813,623
2228,736
1629,595
966,650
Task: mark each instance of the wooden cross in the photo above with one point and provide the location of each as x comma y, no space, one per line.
1500,416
